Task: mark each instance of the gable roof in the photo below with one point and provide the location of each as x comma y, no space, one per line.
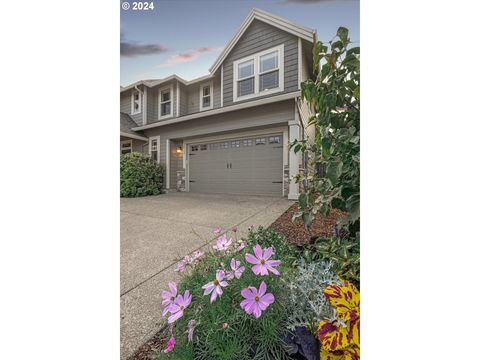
257,14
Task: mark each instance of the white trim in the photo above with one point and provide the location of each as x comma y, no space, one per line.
209,84
300,64
221,86
144,114
125,142
285,158
294,129
133,136
167,164
256,73
185,165
297,30
170,88
245,105
158,147
178,99
132,101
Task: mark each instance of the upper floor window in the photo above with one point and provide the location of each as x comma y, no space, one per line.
165,102
206,97
136,102
154,148
259,74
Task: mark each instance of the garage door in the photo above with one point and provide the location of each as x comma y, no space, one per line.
250,165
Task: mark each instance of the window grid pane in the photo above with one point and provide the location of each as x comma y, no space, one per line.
245,69
260,141
246,87
269,62
269,81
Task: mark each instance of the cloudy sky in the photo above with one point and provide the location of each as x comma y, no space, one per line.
184,37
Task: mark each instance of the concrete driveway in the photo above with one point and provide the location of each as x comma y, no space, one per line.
156,231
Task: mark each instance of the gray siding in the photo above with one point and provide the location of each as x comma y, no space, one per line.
257,117
126,107
193,98
176,162
152,105
183,100
216,90
258,37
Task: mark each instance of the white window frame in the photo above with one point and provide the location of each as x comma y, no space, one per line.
169,88
150,141
126,142
132,109
256,72
209,84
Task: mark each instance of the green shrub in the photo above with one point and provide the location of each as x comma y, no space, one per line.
223,329
140,176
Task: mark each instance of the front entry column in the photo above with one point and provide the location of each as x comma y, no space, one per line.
293,160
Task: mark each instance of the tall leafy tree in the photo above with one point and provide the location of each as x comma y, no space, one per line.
332,179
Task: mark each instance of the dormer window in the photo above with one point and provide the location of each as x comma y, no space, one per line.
206,91
165,102
136,102
259,74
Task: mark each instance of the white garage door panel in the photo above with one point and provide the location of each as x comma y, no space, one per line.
238,166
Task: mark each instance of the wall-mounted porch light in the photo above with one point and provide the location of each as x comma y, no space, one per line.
179,149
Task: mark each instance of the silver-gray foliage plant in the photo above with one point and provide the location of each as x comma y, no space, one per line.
307,300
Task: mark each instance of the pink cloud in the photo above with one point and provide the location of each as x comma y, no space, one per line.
188,57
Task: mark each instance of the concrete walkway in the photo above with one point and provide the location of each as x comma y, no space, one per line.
156,231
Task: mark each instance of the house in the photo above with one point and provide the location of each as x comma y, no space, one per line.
228,132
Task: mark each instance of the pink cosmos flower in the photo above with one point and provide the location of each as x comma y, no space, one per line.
242,246
170,345
256,301
169,297
215,286
218,230
197,254
176,309
223,243
191,327
261,263
181,265
229,275
235,228
236,268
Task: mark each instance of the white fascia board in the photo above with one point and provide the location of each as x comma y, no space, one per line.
132,136
244,105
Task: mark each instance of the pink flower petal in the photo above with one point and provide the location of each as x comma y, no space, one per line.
244,303
218,290
273,270
267,253
251,259
257,312
274,262
213,297
268,299
262,289
257,249
173,287
257,269
175,317
247,293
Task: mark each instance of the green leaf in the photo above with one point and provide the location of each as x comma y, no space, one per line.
342,33
303,200
334,170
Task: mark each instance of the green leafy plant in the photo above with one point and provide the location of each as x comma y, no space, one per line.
333,178
223,330
342,253
140,176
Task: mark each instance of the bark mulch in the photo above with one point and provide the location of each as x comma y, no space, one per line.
295,232
152,347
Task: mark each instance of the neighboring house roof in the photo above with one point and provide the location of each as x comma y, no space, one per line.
256,14
155,82
126,125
